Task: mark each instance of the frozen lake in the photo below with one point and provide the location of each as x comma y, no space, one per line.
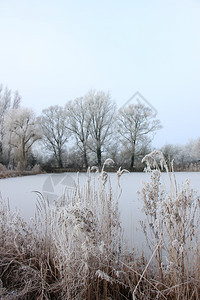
22,196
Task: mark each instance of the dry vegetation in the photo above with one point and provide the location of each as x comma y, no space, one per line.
74,249
5,173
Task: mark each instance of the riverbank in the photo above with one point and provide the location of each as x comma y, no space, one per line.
11,174
6,173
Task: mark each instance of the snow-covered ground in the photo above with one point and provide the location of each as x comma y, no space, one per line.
22,195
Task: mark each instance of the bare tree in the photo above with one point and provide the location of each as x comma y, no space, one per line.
78,124
102,114
135,126
174,154
195,153
55,134
21,131
8,101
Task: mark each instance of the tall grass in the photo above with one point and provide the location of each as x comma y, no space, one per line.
172,219
74,248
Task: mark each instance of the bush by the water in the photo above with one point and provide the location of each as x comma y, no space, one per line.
6,173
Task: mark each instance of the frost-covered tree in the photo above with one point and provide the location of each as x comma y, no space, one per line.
172,153
102,113
55,133
8,101
21,131
195,153
135,127
185,154
78,124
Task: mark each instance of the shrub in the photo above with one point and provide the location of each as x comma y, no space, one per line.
2,168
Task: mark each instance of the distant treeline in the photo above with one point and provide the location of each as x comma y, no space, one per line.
83,133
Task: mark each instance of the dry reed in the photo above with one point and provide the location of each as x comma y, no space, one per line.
73,249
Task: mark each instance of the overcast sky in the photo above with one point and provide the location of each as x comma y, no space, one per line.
55,51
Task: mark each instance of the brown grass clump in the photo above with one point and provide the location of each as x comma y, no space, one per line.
74,249
6,173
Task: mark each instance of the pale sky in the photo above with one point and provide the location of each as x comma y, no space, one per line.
55,51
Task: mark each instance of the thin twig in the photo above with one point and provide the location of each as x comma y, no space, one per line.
133,295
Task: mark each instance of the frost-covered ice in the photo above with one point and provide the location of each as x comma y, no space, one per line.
22,195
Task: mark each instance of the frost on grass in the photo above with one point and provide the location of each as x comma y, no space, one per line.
74,248
172,215
67,246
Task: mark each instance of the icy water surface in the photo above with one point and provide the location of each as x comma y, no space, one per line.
21,192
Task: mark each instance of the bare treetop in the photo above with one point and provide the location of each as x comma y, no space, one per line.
135,124
55,134
102,113
21,131
78,124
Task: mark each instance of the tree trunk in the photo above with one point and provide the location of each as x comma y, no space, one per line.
1,153
85,161
132,158
99,157
22,158
60,163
